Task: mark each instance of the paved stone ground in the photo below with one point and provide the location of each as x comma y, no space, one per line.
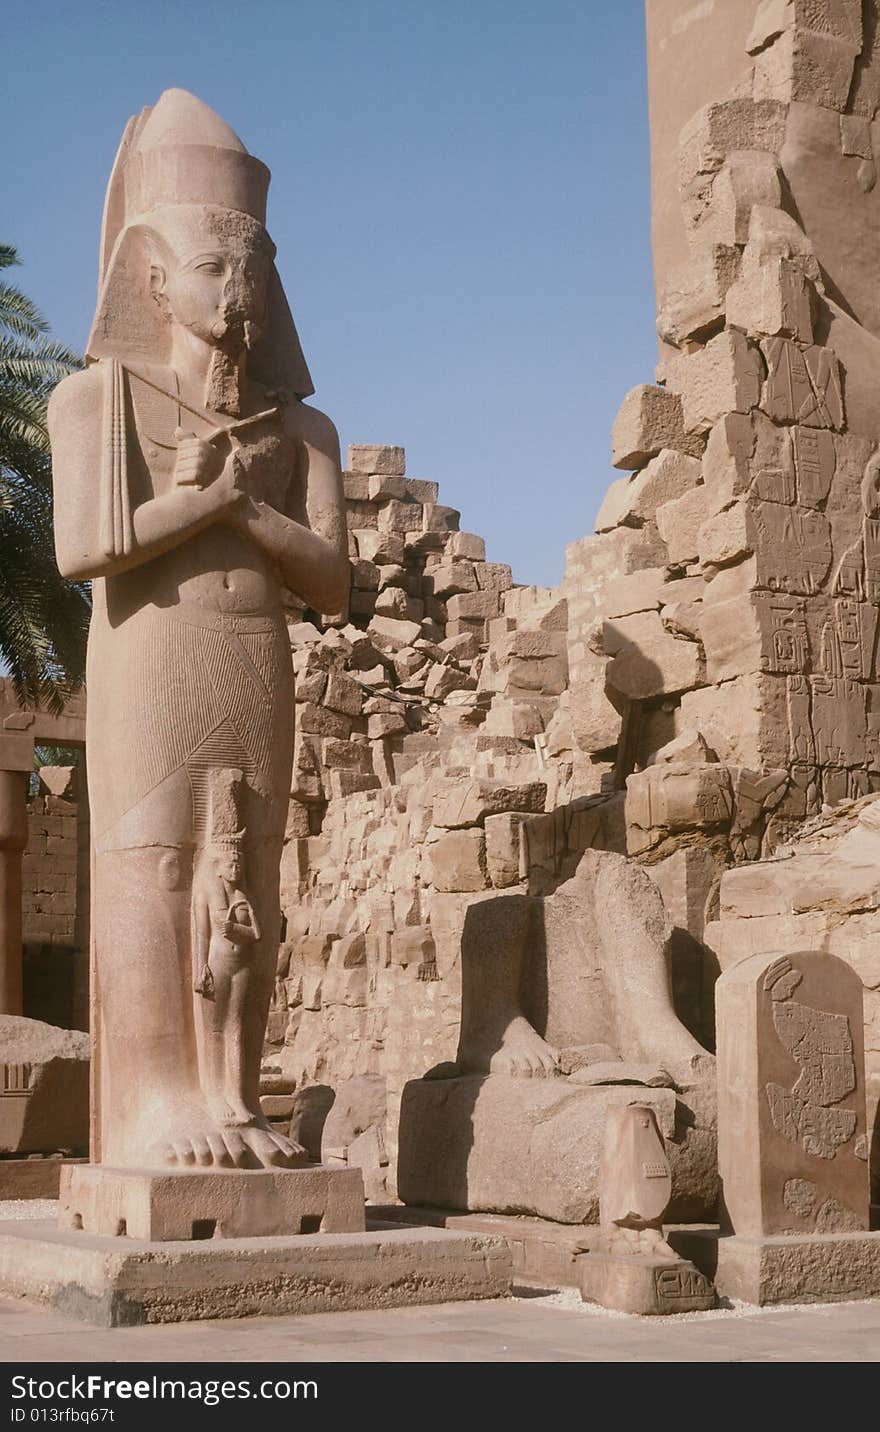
529,1327
525,1328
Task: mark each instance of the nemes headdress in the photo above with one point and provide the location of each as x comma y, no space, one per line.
179,152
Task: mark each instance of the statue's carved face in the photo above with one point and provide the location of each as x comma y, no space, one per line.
229,866
210,274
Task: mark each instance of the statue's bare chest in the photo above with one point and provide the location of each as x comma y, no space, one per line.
265,452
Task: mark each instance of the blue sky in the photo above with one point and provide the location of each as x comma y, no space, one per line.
459,199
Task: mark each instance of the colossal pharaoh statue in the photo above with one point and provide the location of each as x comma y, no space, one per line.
193,485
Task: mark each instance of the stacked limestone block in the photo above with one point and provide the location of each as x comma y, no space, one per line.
414,574
424,747
723,624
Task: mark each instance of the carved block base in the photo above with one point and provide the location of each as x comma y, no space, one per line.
167,1206
119,1282
824,1268
650,1286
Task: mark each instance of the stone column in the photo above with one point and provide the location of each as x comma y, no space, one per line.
16,763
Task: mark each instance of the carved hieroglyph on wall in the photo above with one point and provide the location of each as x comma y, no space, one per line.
792,1143
821,1044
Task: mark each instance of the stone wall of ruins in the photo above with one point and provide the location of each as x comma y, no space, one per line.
705,679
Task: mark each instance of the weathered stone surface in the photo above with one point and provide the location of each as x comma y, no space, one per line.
721,129
723,377
649,420
671,797
645,1285
802,64
679,523
457,861
719,209
646,660
468,803
121,1285
162,1207
382,548
635,499
791,1119
695,295
803,384
374,458
44,1104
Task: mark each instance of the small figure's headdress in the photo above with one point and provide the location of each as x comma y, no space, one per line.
181,153
225,832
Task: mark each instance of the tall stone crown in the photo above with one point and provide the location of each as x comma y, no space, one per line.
179,152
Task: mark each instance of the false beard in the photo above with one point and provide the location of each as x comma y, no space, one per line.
224,382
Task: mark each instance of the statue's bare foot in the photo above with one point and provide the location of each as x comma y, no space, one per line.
266,1148
270,1149
191,1139
524,1053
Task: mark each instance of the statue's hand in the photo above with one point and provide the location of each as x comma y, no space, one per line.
197,462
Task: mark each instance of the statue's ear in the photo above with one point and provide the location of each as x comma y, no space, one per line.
157,280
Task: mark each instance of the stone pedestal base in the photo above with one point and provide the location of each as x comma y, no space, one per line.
117,1282
650,1286
824,1268
166,1205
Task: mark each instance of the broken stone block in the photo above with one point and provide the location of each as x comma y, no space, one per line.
635,592
320,721
474,606
635,499
670,798
803,384
443,680
389,634
346,782
855,136
362,604
457,861
386,723
375,458
649,419
466,545
468,803
400,517
771,296
449,578
839,18
343,694
792,1138
421,491
503,848
381,486
723,128
646,660
44,1100
679,523
719,208
804,65
727,537
723,377
438,518
356,486
397,603
493,576
645,1284
365,576
382,548
694,297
